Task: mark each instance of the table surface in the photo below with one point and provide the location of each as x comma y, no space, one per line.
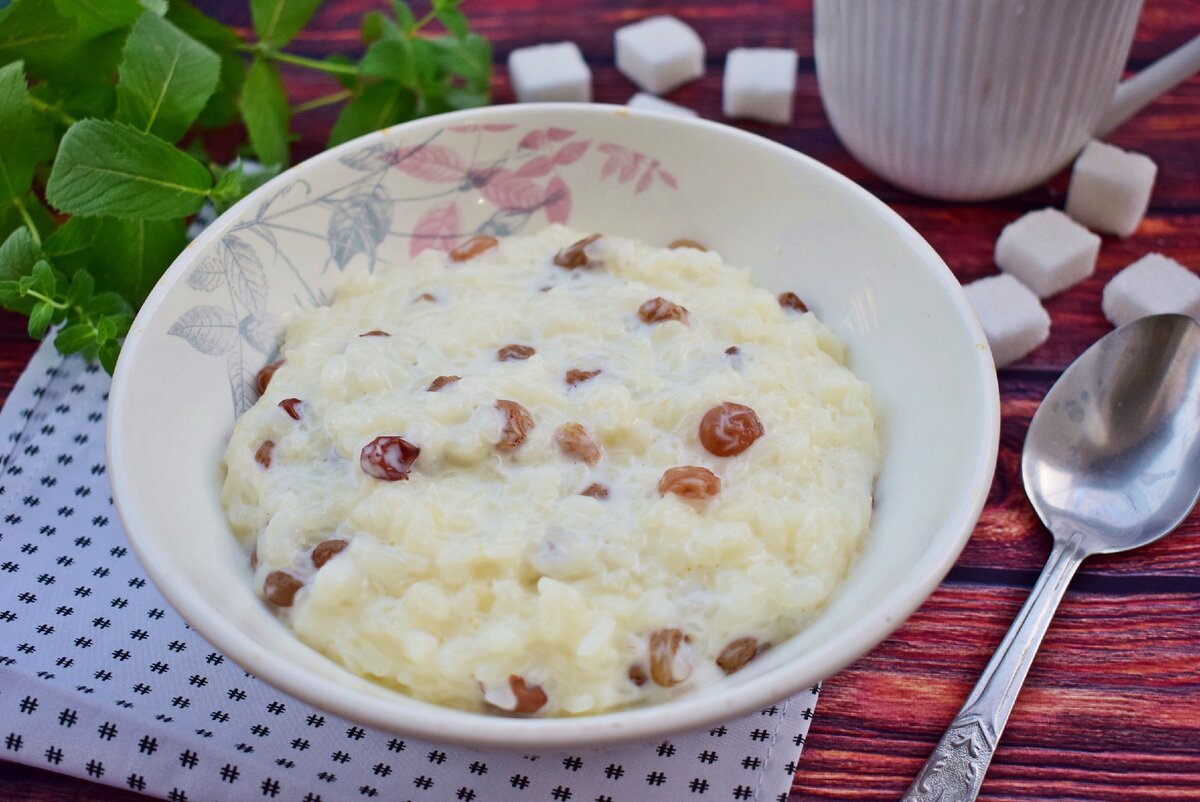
1111,708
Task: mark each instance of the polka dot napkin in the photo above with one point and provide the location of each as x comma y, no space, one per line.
101,679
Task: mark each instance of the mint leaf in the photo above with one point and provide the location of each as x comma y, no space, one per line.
265,112
234,184
18,254
404,16
166,78
391,59
107,303
221,108
470,58
81,289
124,256
40,318
94,17
108,355
75,337
454,20
105,168
52,48
203,28
278,21
376,106
20,149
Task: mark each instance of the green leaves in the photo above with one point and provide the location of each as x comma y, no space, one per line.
105,168
18,146
93,94
278,21
265,111
376,106
53,47
127,256
166,78
94,17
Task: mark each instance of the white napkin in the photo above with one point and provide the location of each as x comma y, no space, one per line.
101,679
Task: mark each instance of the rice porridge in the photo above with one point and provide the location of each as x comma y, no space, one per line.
553,475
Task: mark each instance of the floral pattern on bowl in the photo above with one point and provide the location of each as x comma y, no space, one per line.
450,188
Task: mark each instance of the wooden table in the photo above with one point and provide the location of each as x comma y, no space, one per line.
1111,709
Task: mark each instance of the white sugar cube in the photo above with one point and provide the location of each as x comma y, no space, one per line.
659,53
1110,188
1047,251
550,72
1012,317
1152,285
760,83
648,102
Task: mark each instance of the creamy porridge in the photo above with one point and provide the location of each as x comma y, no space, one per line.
554,475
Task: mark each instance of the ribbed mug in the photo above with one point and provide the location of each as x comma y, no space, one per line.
973,99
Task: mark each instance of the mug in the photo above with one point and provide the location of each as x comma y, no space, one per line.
976,99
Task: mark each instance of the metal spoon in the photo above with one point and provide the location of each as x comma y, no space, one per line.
1111,462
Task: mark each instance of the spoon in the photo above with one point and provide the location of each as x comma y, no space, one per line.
1111,462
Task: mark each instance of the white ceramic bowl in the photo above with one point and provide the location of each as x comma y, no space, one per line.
213,320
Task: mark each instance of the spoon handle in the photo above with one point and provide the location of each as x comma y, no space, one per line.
954,772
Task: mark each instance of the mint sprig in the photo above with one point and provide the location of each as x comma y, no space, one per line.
100,165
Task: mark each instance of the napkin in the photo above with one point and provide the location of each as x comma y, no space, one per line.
101,679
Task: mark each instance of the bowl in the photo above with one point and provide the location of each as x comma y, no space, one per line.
214,319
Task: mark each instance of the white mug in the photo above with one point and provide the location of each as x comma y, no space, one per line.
974,99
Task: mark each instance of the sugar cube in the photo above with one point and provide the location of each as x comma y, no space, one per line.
1152,285
1047,251
1011,315
659,53
648,102
1110,188
550,72
760,83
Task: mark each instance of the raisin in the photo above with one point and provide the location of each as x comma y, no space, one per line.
659,310
517,423
573,256
472,248
576,442
514,351
738,653
728,429
326,550
375,333
790,300
440,382
426,296
665,648
576,376
687,243
263,455
280,588
388,457
530,698
637,675
292,407
264,375
595,490
733,350
690,482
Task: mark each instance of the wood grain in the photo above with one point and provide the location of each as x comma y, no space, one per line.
1111,710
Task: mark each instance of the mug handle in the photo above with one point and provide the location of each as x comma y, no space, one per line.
1159,78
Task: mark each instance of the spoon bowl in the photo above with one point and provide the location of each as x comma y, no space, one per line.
1112,456
1111,462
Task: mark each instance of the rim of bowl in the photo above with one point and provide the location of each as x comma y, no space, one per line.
682,713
